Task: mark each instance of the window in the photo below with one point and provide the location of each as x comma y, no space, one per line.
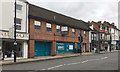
101,36
95,37
79,32
109,30
49,27
37,25
92,36
73,31
106,29
64,30
18,24
19,7
100,27
108,37
58,29
84,33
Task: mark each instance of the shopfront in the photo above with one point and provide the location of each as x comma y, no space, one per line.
62,47
8,45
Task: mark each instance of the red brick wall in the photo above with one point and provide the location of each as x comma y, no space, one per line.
44,35
31,49
85,39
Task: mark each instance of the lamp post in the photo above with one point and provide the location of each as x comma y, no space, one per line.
15,43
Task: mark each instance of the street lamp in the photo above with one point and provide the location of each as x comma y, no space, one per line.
15,43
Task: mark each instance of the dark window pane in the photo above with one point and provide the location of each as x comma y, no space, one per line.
18,27
18,21
49,29
37,27
19,7
58,30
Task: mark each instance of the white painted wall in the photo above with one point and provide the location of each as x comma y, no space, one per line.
25,49
8,16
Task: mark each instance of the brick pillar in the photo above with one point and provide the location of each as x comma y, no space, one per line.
31,49
53,48
87,47
75,47
81,47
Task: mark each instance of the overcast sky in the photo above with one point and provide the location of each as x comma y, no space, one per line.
86,10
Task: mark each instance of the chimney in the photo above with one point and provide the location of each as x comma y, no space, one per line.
99,22
88,21
113,23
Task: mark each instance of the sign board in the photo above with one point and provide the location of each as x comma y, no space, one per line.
10,35
70,47
60,47
64,28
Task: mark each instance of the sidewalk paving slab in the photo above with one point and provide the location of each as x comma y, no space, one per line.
9,62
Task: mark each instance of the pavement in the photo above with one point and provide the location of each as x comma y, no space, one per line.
18,61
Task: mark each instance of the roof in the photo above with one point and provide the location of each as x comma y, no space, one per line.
50,16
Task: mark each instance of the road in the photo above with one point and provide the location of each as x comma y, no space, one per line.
108,61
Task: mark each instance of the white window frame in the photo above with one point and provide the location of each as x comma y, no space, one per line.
19,24
37,23
48,25
101,27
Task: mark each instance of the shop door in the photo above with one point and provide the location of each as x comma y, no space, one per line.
42,49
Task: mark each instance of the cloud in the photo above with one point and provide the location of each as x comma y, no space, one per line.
106,10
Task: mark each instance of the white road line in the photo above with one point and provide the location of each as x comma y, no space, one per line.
104,57
54,67
43,69
85,61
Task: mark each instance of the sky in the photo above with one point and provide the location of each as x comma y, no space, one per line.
86,10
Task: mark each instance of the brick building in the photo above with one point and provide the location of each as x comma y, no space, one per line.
101,37
52,33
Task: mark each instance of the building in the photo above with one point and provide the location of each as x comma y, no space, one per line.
52,33
100,35
7,29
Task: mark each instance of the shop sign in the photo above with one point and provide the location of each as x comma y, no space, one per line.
60,47
70,47
4,34
18,35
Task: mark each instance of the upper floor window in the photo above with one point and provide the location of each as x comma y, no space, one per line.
79,32
109,30
84,33
100,27
18,23
64,30
58,29
18,7
73,31
106,29
101,36
37,25
49,27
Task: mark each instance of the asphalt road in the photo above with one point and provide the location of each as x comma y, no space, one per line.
108,61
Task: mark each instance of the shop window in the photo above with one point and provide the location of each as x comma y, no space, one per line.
58,29
49,27
73,31
37,25
18,23
18,7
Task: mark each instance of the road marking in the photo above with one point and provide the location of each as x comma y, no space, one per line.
43,69
104,57
54,67
85,61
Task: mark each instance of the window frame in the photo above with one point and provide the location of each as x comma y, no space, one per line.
18,23
37,24
73,31
58,29
48,29
84,33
